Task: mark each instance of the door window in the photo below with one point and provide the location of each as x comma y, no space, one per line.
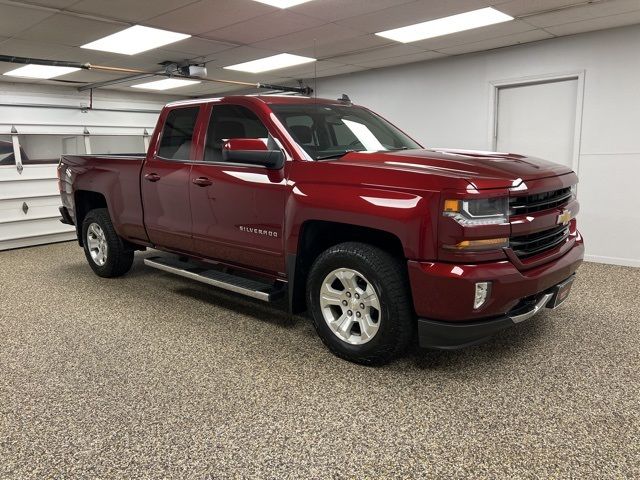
177,135
231,121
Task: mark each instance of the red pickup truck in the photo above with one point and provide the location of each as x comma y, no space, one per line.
381,240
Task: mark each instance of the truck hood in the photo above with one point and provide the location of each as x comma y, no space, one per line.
480,169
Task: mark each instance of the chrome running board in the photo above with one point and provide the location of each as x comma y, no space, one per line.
233,283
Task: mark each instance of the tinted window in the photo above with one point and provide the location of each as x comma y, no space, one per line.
177,135
333,130
231,121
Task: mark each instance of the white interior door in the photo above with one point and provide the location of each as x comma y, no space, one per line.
538,120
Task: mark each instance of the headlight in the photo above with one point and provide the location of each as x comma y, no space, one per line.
478,211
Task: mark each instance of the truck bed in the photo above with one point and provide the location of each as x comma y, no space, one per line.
116,177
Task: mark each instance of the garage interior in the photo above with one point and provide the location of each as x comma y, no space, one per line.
156,376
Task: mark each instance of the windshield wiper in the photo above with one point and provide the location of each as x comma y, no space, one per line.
342,154
336,155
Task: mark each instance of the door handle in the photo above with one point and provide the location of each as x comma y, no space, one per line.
152,177
202,181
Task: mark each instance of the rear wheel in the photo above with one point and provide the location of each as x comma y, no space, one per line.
358,297
106,252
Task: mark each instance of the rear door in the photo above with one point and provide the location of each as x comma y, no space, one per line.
237,210
165,181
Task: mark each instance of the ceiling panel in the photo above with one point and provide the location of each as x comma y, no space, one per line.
150,61
611,21
330,32
339,32
51,3
378,54
208,15
576,14
308,70
29,48
70,30
129,10
399,60
197,47
237,55
332,10
264,27
525,37
409,14
524,7
335,48
16,19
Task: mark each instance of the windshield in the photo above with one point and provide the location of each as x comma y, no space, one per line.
330,131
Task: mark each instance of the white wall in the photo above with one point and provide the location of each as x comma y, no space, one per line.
446,103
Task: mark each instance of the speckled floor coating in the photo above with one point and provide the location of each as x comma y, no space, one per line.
154,376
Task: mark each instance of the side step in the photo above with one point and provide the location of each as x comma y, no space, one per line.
246,286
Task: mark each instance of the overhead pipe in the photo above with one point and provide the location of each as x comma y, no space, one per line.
136,73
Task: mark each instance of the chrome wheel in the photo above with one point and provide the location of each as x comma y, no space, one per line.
97,244
350,306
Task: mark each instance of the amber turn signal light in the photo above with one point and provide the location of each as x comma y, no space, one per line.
483,244
452,205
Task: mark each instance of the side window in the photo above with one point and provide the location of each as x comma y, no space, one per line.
231,121
177,135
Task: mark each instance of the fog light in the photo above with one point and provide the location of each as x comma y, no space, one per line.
482,293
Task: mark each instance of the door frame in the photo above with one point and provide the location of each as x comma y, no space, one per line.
496,85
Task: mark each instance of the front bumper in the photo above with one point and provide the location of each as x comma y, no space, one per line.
443,296
451,336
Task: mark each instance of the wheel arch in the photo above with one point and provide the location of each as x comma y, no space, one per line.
84,202
315,237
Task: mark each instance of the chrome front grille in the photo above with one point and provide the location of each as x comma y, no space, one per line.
539,201
529,245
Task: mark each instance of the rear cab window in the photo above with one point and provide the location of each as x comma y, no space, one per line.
177,134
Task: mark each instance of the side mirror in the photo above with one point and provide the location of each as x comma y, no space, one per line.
252,151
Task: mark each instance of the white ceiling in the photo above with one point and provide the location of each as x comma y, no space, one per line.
338,32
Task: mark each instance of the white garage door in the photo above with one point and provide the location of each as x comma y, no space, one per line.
538,120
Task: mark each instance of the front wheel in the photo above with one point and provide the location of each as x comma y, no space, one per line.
359,300
106,252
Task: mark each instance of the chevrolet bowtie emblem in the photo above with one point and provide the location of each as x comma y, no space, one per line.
564,217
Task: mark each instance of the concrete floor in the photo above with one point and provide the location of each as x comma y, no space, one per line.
153,376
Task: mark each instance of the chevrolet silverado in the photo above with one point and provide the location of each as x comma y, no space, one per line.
383,242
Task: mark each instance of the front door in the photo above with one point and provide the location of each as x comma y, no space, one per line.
237,210
165,183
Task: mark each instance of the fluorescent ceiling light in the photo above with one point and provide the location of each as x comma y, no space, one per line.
166,84
283,3
282,60
135,39
446,25
40,71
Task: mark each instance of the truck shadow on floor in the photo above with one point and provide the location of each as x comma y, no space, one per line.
507,344
504,345
512,342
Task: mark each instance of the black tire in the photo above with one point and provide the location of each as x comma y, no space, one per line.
119,257
388,277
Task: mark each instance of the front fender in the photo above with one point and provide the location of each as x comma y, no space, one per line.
406,215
